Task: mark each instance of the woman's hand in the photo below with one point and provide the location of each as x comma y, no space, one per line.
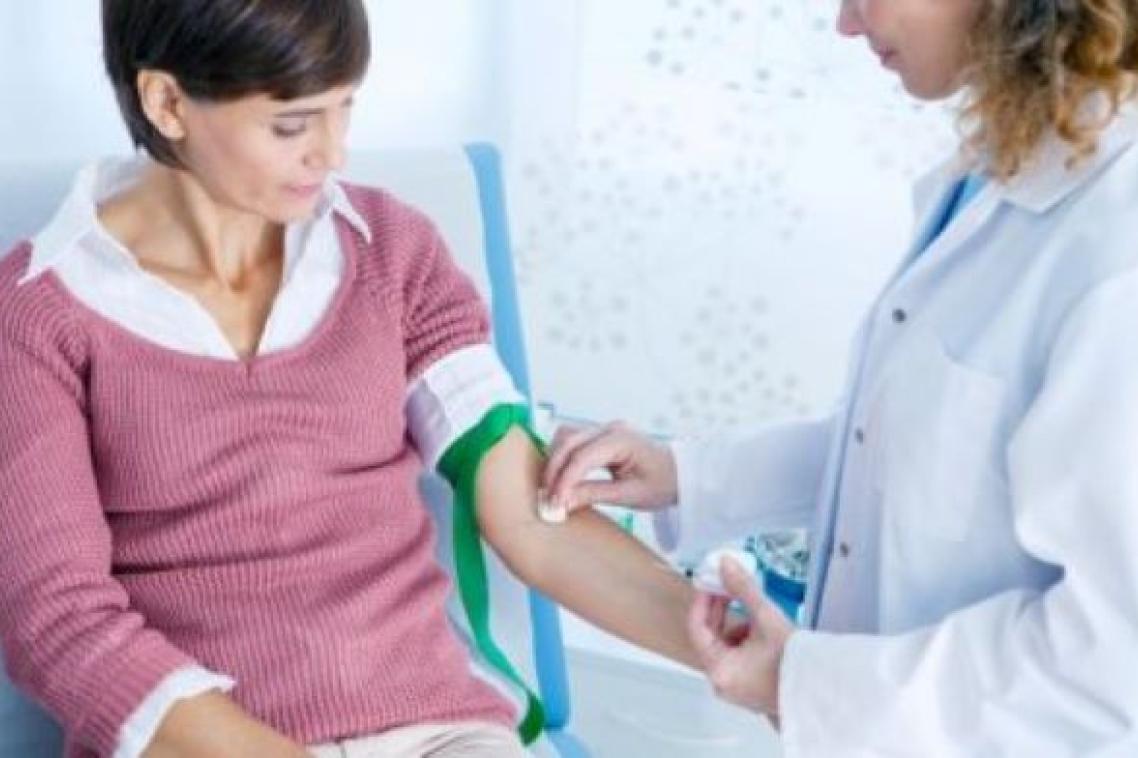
213,725
742,661
643,471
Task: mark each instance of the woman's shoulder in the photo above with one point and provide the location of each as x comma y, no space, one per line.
14,264
402,241
1098,228
32,311
15,286
1112,196
385,214
1080,246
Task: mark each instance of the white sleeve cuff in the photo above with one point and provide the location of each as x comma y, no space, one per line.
452,396
795,733
681,529
733,485
139,729
829,702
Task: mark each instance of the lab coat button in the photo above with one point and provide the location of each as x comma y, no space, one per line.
859,436
900,316
844,549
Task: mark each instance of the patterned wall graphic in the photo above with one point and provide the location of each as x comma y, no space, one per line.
695,249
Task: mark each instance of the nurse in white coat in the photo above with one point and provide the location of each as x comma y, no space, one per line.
973,502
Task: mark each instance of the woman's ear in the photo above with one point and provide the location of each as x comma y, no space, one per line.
162,101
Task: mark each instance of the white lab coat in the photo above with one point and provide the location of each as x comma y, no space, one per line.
974,502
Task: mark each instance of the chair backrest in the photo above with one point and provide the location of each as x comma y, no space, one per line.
460,190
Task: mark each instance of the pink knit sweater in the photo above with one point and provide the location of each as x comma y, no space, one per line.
259,518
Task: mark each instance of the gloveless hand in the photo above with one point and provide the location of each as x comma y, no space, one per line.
643,470
742,661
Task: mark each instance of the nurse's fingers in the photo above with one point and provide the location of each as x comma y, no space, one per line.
588,492
717,615
608,448
743,586
731,627
737,631
566,440
709,646
719,662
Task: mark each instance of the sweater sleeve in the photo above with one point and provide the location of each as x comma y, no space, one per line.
71,640
441,309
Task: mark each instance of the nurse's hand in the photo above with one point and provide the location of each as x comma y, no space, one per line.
742,662
643,470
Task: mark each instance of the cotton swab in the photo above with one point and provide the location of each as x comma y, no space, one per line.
708,576
548,511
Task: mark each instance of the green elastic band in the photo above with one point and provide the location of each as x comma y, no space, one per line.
460,466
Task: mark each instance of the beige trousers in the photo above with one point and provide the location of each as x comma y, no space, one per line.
475,739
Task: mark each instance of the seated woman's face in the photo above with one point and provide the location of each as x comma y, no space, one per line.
265,156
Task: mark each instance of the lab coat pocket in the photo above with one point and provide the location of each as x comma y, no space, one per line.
938,431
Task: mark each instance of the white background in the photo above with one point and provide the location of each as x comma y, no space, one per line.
705,193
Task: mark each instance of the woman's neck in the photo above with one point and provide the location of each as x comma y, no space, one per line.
170,222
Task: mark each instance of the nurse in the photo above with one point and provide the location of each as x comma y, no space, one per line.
973,501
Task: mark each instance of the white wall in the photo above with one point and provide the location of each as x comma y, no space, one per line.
433,79
705,194
722,189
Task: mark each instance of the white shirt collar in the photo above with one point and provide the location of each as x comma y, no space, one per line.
1049,178
77,216
335,199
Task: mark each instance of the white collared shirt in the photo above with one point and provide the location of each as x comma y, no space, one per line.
449,397
973,501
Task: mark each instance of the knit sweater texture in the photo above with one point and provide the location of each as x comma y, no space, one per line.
261,518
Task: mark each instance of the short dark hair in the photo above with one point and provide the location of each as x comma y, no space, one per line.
220,50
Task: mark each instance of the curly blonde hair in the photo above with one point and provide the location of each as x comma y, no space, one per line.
1034,64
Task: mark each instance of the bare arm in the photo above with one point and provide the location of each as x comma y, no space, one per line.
586,564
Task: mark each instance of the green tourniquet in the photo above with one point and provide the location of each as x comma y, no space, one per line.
459,465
